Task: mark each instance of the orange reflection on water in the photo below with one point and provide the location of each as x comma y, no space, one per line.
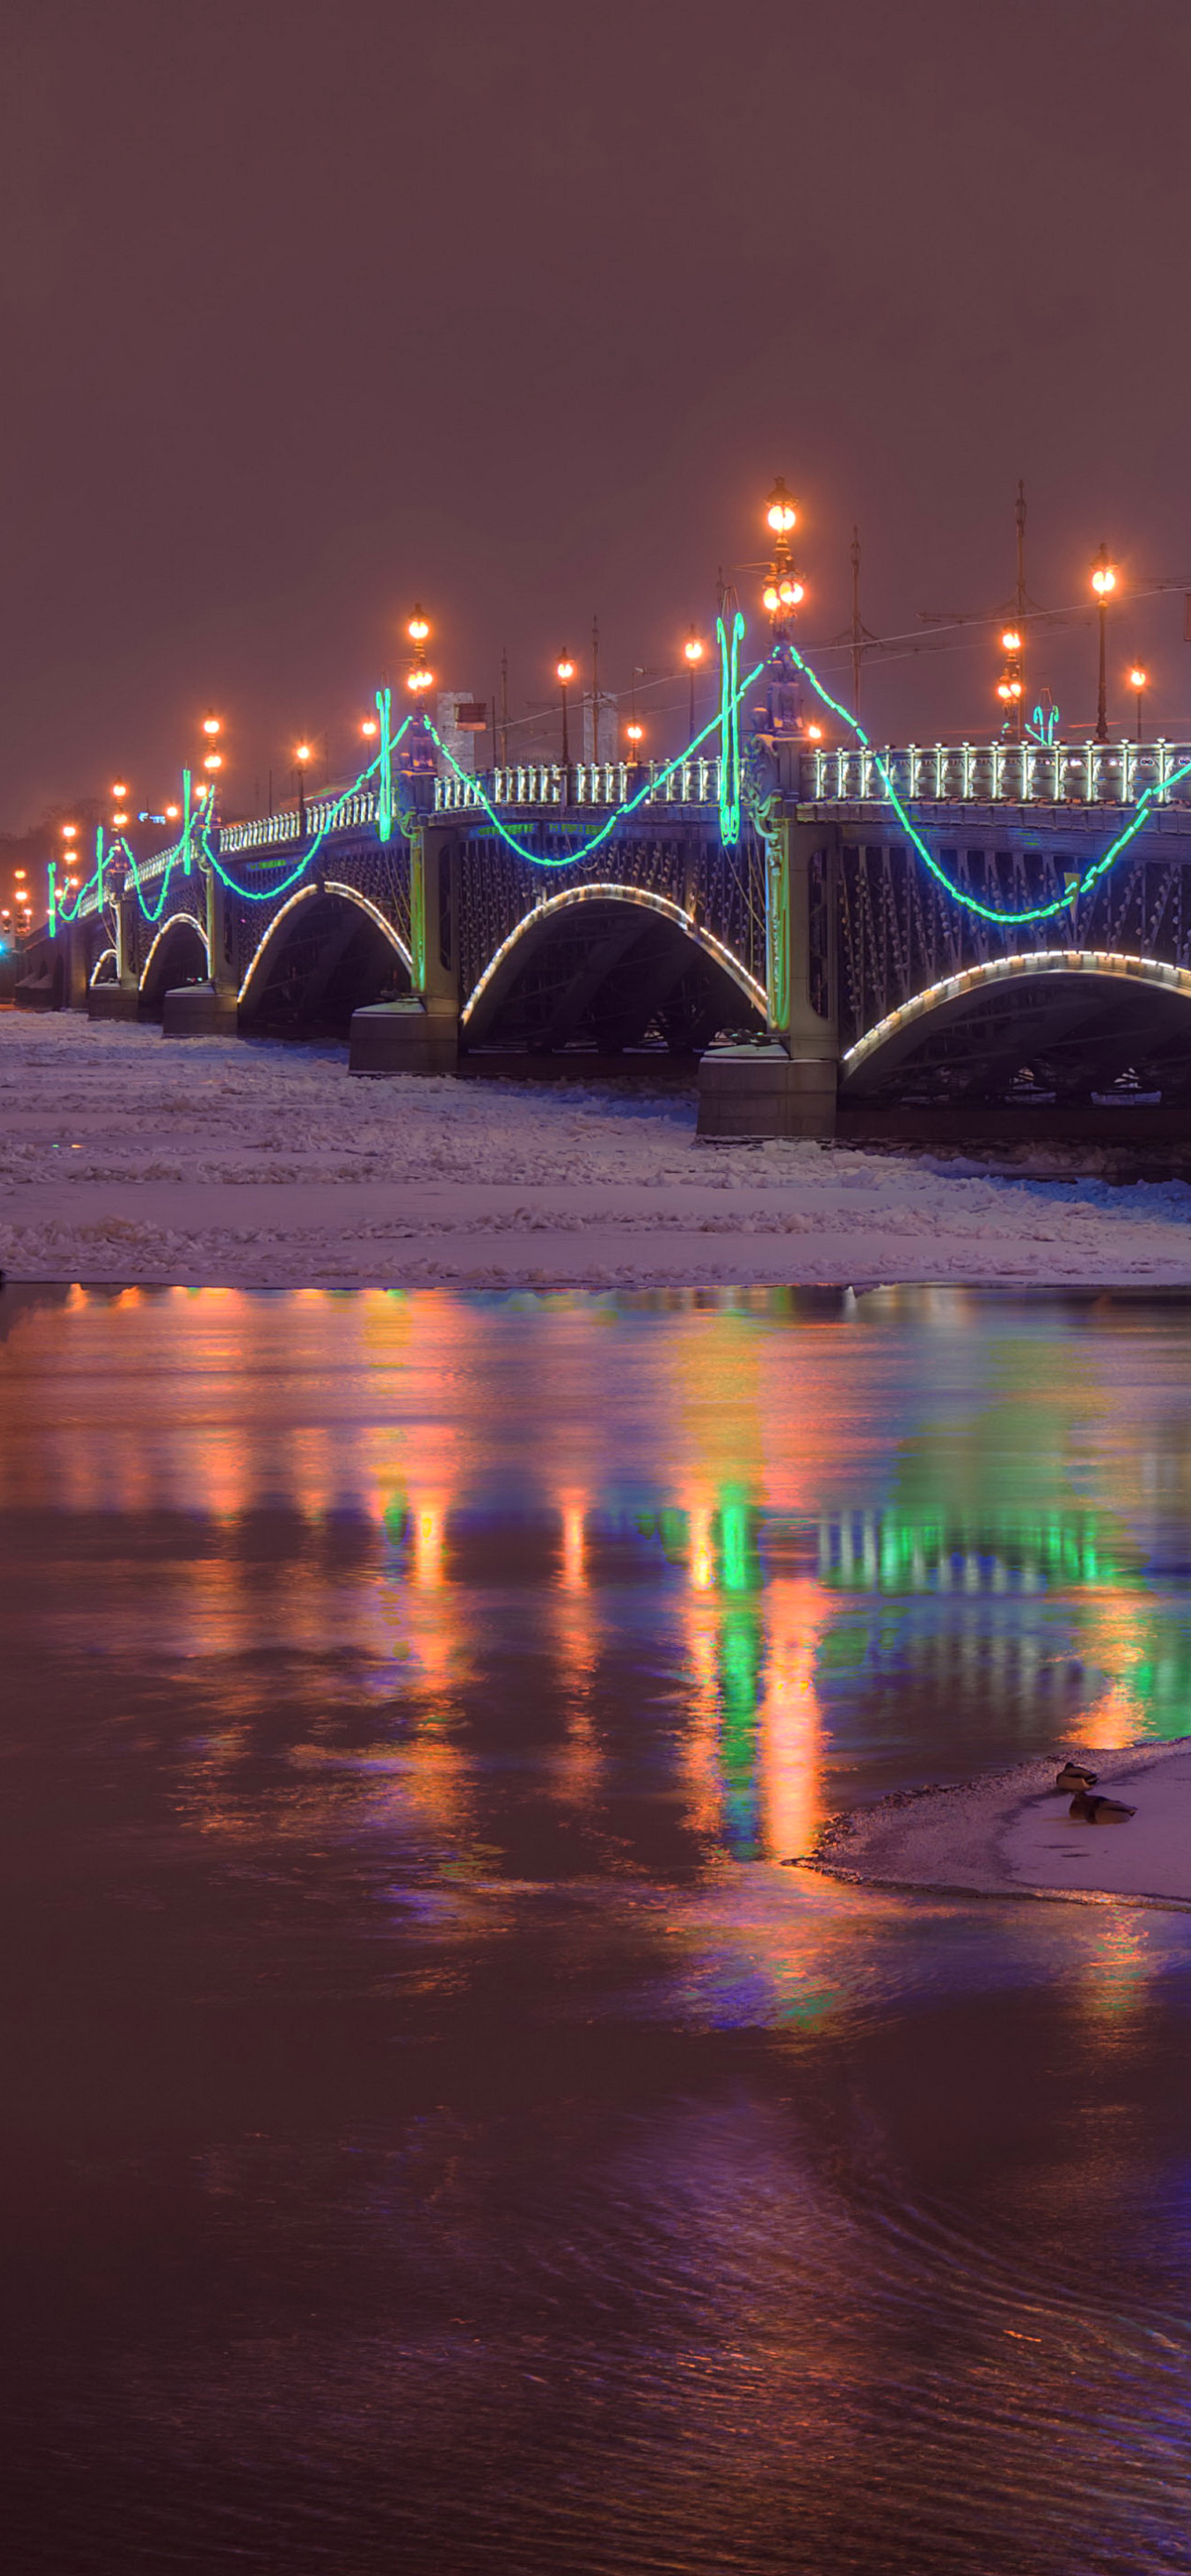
796,1613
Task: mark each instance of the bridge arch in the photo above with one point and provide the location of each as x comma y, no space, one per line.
325,953
105,968
1076,1008
178,955
605,961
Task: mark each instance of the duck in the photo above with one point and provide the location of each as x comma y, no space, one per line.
1074,1775
1086,1810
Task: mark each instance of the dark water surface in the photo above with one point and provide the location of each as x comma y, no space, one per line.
437,2132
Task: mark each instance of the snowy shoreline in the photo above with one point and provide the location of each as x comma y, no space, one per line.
1010,1832
223,1163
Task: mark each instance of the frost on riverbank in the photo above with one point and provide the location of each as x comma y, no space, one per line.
215,1161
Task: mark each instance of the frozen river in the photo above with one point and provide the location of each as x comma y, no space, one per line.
438,2131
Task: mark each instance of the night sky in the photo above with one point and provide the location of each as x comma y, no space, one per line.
311,310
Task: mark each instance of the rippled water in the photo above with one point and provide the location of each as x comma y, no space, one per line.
437,2131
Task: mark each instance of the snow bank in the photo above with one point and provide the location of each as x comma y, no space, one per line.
224,1162
1012,1831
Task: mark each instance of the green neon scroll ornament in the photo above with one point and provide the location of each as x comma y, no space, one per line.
384,784
729,720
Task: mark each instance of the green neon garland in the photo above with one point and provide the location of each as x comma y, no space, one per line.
536,858
990,912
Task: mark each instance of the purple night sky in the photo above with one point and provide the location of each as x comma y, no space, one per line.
311,310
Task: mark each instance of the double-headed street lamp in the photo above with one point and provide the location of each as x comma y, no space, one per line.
782,596
212,763
420,678
1011,685
1104,582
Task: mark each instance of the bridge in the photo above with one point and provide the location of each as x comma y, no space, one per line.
816,922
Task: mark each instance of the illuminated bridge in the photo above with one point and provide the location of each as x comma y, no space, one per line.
939,922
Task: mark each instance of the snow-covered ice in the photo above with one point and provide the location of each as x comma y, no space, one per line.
1011,1832
208,1161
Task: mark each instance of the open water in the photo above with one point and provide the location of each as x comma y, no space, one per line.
438,2133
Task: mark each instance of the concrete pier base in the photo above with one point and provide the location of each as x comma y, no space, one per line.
113,1002
404,1037
199,1011
755,1092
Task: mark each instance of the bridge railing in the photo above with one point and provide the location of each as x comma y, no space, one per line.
323,814
996,773
603,783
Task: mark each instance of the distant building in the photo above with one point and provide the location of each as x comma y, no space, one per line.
460,721
605,709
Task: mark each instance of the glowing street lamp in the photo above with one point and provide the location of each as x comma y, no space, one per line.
303,755
420,677
1011,685
369,728
1104,582
1138,680
694,650
636,735
565,669
782,595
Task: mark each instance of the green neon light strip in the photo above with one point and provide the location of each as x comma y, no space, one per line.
990,912
535,857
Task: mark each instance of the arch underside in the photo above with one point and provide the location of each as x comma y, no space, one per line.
327,953
1076,1020
605,968
177,955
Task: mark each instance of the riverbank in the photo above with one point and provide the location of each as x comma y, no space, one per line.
1011,1832
220,1162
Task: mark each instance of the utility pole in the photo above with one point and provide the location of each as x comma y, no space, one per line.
504,706
595,689
858,635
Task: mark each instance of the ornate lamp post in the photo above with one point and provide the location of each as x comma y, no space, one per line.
693,650
1138,680
1104,582
302,756
565,669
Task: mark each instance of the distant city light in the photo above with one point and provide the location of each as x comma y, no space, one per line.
369,727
